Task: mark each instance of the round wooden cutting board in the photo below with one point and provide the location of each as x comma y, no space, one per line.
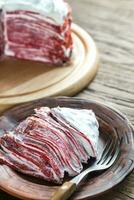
112,126
20,84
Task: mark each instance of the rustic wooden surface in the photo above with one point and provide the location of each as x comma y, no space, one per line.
111,23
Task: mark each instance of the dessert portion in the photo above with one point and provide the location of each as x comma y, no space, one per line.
51,142
37,31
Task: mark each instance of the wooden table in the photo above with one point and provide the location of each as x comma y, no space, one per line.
111,23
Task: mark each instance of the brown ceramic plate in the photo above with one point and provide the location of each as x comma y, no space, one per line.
112,125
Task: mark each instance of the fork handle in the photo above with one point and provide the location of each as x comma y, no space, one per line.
65,191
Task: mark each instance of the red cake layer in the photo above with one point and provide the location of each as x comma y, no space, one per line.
30,36
46,144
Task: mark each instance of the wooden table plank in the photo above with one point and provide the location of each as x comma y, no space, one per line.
111,25
110,22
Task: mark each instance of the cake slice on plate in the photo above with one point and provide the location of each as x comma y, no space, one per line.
51,142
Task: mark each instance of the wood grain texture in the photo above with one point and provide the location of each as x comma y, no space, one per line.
111,23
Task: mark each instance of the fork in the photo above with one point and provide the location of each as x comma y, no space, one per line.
106,160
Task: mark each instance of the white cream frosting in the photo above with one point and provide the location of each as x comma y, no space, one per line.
55,9
84,121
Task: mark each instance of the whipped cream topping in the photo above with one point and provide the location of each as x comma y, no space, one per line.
54,9
84,121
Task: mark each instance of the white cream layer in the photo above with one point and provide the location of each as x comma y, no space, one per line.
54,9
84,121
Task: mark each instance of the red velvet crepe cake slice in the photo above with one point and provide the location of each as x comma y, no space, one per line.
51,142
35,31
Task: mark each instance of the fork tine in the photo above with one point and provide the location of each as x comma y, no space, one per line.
107,152
111,161
112,153
104,150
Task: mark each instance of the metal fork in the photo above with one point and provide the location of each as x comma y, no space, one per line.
106,160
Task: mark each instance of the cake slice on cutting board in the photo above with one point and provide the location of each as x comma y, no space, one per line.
37,32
